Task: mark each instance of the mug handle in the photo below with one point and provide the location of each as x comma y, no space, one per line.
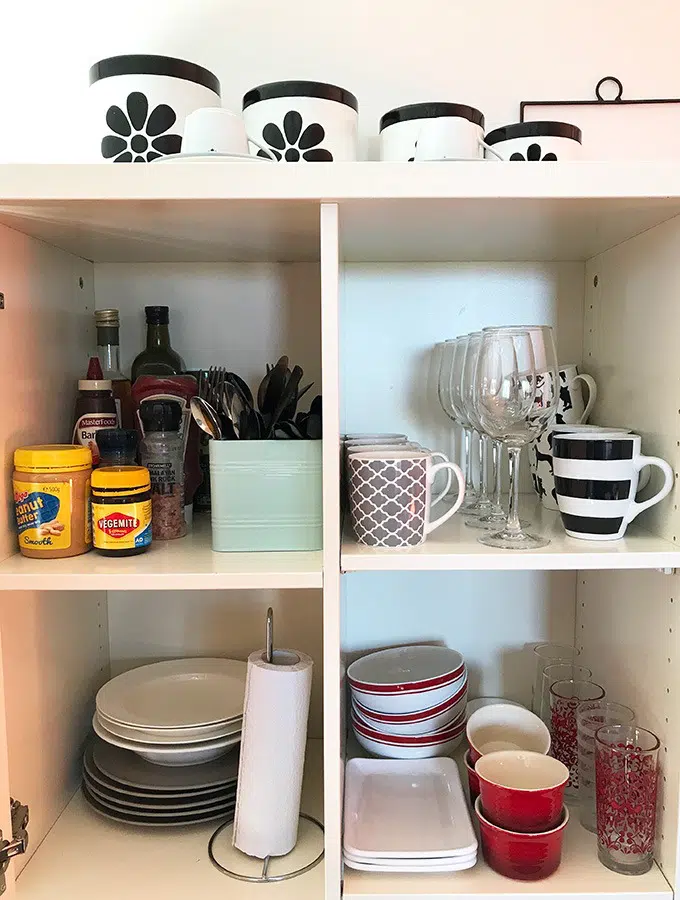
449,477
429,525
636,508
592,396
491,150
261,147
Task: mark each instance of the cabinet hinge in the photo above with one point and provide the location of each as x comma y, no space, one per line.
19,842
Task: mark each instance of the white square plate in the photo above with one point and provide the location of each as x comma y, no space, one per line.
406,809
452,865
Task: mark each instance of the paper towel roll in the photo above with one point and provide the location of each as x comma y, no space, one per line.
273,745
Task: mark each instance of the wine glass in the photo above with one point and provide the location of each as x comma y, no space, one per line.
516,393
467,384
455,387
444,360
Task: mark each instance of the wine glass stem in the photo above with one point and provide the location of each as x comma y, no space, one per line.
468,458
513,508
484,470
497,450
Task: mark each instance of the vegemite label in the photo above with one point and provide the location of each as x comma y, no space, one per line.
123,527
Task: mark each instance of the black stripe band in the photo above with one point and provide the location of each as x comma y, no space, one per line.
586,489
599,450
591,525
148,64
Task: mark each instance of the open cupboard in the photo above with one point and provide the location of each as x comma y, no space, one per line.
355,270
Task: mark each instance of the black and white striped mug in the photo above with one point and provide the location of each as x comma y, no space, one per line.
596,479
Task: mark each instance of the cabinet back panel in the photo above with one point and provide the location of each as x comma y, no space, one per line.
393,314
490,617
171,624
237,315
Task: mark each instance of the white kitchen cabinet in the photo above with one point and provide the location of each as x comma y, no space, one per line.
355,270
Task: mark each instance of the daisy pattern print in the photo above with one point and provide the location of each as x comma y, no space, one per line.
137,134
293,143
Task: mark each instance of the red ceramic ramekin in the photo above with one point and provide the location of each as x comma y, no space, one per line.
473,780
523,857
521,790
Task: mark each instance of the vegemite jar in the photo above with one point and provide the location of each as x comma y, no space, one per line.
121,510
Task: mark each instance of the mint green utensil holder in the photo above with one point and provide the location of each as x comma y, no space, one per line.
266,495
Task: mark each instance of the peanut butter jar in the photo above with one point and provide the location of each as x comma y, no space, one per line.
52,500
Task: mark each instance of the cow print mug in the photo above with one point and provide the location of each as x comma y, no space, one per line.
571,410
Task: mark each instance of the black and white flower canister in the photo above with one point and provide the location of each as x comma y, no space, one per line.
535,142
303,121
432,131
139,103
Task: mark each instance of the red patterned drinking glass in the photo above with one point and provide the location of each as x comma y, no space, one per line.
626,775
565,699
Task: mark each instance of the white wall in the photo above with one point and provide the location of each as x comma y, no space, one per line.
388,52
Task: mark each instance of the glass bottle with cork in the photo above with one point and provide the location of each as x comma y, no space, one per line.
158,357
107,322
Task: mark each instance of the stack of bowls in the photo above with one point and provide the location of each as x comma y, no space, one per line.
409,702
179,712
517,790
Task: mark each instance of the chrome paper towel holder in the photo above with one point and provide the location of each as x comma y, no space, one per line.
264,877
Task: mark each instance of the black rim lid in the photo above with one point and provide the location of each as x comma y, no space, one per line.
148,64
431,111
276,89
534,130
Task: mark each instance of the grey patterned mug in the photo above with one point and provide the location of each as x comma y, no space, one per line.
390,496
437,455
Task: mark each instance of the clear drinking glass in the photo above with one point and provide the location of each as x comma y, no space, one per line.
566,697
589,718
443,353
516,394
626,774
547,654
558,672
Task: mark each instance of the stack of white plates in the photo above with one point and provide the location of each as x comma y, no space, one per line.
406,816
176,713
121,786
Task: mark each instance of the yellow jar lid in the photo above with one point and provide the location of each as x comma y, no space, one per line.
52,458
121,479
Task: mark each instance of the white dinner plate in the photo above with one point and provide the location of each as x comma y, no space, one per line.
452,865
211,158
129,818
406,809
171,736
176,693
126,768
134,804
170,754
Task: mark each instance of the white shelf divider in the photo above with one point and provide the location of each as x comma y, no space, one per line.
454,546
188,563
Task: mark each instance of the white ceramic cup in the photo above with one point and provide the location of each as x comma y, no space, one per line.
216,130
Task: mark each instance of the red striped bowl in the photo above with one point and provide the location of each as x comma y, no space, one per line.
413,746
406,679
422,722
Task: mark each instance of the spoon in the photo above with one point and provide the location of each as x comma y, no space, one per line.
206,418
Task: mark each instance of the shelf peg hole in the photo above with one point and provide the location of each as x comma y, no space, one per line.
596,281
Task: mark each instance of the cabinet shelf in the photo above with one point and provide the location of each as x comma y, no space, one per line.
388,211
454,546
580,877
188,563
85,855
